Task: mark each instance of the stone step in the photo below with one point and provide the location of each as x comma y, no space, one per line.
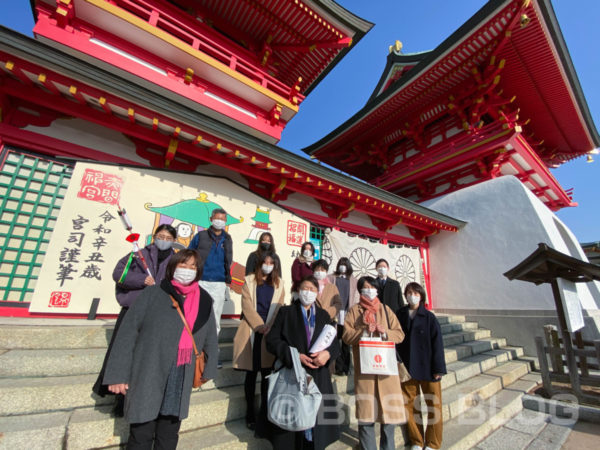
484,416
462,326
456,352
93,426
71,333
31,395
62,362
465,336
446,318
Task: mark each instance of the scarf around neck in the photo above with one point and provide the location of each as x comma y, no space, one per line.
191,292
370,309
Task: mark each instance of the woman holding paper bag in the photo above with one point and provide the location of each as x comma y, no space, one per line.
300,325
262,296
378,397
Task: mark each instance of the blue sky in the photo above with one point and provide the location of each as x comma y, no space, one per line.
422,26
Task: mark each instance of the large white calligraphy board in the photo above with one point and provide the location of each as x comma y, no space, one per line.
89,237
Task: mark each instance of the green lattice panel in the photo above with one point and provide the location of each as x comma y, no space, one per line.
31,190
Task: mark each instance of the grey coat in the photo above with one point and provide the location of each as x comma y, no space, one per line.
146,346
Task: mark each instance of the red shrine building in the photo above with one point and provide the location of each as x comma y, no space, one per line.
206,87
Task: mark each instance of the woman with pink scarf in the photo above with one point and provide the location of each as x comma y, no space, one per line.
153,359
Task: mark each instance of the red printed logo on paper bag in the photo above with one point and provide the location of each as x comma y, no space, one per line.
59,299
296,232
100,187
378,359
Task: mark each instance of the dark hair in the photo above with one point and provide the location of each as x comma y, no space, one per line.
343,261
273,277
217,211
259,251
312,247
172,231
380,260
179,257
320,263
362,280
416,287
310,279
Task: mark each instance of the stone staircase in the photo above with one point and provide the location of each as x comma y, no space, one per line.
47,368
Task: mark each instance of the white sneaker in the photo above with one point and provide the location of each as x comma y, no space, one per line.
428,448
415,447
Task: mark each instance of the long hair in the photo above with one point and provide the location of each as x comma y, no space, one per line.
260,251
273,278
343,261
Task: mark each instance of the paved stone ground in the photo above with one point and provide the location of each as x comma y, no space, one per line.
529,430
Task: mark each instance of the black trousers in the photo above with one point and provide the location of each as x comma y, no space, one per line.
342,363
250,390
162,433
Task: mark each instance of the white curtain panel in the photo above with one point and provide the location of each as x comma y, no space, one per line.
405,262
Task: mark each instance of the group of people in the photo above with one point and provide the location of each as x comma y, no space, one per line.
150,360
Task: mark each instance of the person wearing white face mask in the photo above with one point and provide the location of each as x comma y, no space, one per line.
215,249
299,325
153,359
346,284
302,265
263,294
378,397
388,289
328,297
131,277
423,355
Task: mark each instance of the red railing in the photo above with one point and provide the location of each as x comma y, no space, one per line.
198,36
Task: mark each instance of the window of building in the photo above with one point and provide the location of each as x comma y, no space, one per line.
32,189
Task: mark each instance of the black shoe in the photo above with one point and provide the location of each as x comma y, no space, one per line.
219,365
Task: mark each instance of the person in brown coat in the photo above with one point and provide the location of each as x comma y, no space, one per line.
262,296
329,296
378,397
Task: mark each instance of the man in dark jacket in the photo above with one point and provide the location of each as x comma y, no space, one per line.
388,290
215,253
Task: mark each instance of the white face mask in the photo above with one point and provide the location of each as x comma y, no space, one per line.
218,224
307,297
184,276
320,274
161,244
307,253
369,293
267,268
413,299
342,269
382,271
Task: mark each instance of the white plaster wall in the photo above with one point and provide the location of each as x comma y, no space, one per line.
88,134
505,224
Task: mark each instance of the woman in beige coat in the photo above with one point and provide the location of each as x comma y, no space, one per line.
378,397
262,296
329,296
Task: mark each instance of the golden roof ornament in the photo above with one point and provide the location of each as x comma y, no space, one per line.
396,48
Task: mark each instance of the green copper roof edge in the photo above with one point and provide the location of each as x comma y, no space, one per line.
70,66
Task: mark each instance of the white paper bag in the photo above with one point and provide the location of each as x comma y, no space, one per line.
377,357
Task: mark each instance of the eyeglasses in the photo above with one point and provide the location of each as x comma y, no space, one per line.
164,237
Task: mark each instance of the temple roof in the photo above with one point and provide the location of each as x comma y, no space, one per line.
538,71
127,106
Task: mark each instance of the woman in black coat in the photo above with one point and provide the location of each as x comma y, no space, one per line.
292,328
422,351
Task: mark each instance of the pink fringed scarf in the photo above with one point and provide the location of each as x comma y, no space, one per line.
190,311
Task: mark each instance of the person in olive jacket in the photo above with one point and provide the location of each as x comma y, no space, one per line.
422,351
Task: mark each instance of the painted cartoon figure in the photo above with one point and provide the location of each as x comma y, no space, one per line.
184,234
